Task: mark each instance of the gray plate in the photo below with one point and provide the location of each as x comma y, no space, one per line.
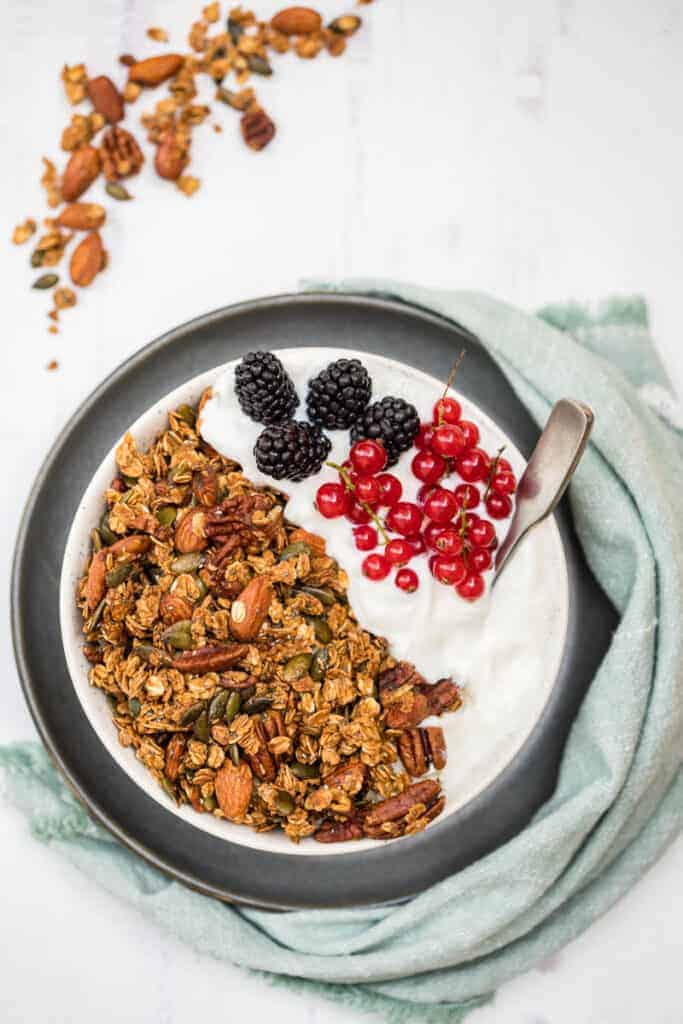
215,866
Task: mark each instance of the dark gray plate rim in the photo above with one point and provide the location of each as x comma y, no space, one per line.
214,866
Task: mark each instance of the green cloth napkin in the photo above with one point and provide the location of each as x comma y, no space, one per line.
619,799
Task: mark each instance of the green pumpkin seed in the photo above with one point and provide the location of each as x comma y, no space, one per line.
46,281
256,705
304,771
117,191
130,481
325,596
232,706
297,667
201,727
134,706
235,30
218,705
323,633
37,258
146,651
186,563
234,753
319,664
259,65
179,635
169,789
284,802
201,587
166,515
106,533
186,412
294,550
228,97
209,803
95,540
345,25
192,713
95,617
118,575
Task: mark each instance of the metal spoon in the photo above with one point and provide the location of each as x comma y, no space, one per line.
548,472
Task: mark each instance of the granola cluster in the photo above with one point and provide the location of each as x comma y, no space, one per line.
224,641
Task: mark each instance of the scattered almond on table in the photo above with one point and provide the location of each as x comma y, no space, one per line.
99,147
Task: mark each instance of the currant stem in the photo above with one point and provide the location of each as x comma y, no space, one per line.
492,473
451,380
350,486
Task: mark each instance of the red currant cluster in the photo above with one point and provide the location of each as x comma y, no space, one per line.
461,541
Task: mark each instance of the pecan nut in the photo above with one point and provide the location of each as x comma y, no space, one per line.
349,776
171,156
257,128
174,608
296,21
417,748
262,762
174,755
443,696
95,585
87,259
234,785
339,831
396,807
106,98
83,167
82,217
209,659
121,155
190,533
155,70
249,611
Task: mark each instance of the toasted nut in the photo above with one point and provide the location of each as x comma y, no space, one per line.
248,612
339,831
106,98
190,533
314,542
174,608
346,25
121,155
435,741
349,776
396,806
82,216
209,659
174,755
81,170
296,21
234,785
87,260
155,70
205,487
171,157
23,232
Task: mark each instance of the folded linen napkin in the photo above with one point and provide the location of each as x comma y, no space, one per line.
619,799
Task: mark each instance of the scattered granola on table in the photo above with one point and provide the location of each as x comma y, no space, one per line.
235,669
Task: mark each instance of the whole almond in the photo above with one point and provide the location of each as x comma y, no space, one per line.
190,534
296,21
155,70
106,98
81,170
87,260
171,158
174,608
248,611
234,785
82,217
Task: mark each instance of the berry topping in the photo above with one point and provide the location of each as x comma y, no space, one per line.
368,489
425,435
472,587
332,500
473,465
405,518
449,569
357,513
447,410
365,537
498,506
265,390
406,579
291,451
424,493
431,534
441,505
393,421
367,456
448,440
466,496
390,489
480,559
482,533
470,432
376,567
399,552
338,395
417,543
503,482
449,542
428,467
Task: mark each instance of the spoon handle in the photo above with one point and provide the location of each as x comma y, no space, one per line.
548,472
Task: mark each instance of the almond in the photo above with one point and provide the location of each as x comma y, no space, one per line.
249,610
190,534
174,755
155,70
87,260
296,21
171,157
106,98
81,170
82,216
174,608
234,785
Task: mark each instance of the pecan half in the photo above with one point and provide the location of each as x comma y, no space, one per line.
120,153
443,696
396,807
190,533
409,710
83,167
171,157
174,755
262,761
209,659
339,831
155,70
257,128
106,98
249,611
174,608
349,776
417,748
234,785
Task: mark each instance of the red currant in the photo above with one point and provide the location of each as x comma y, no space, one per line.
448,569
498,506
368,490
431,534
424,435
447,410
365,537
503,466
449,542
448,440
428,467
482,533
470,431
440,506
417,543
503,482
390,489
368,457
473,465
466,496
406,579
480,559
399,551
405,518
472,587
332,500
349,472
356,513
376,567
424,493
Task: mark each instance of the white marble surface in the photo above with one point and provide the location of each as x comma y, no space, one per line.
531,149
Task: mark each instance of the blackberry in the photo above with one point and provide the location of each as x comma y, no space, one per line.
338,395
264,389
291,451
393,421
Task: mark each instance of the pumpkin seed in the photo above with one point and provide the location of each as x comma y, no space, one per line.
179,635
106,533
325,596
209,803
201,587
130,481
37,258
166,515
218,705
256,704
235,30
304,771
284,801
186,412
117,575
192,713
259,65
95,617
229,97
299,547
201,727
297,667
134,706
232,706
319,664
146,651
345,25
95,540
46,281
117,191
186,563
323,633
234,753
169,789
